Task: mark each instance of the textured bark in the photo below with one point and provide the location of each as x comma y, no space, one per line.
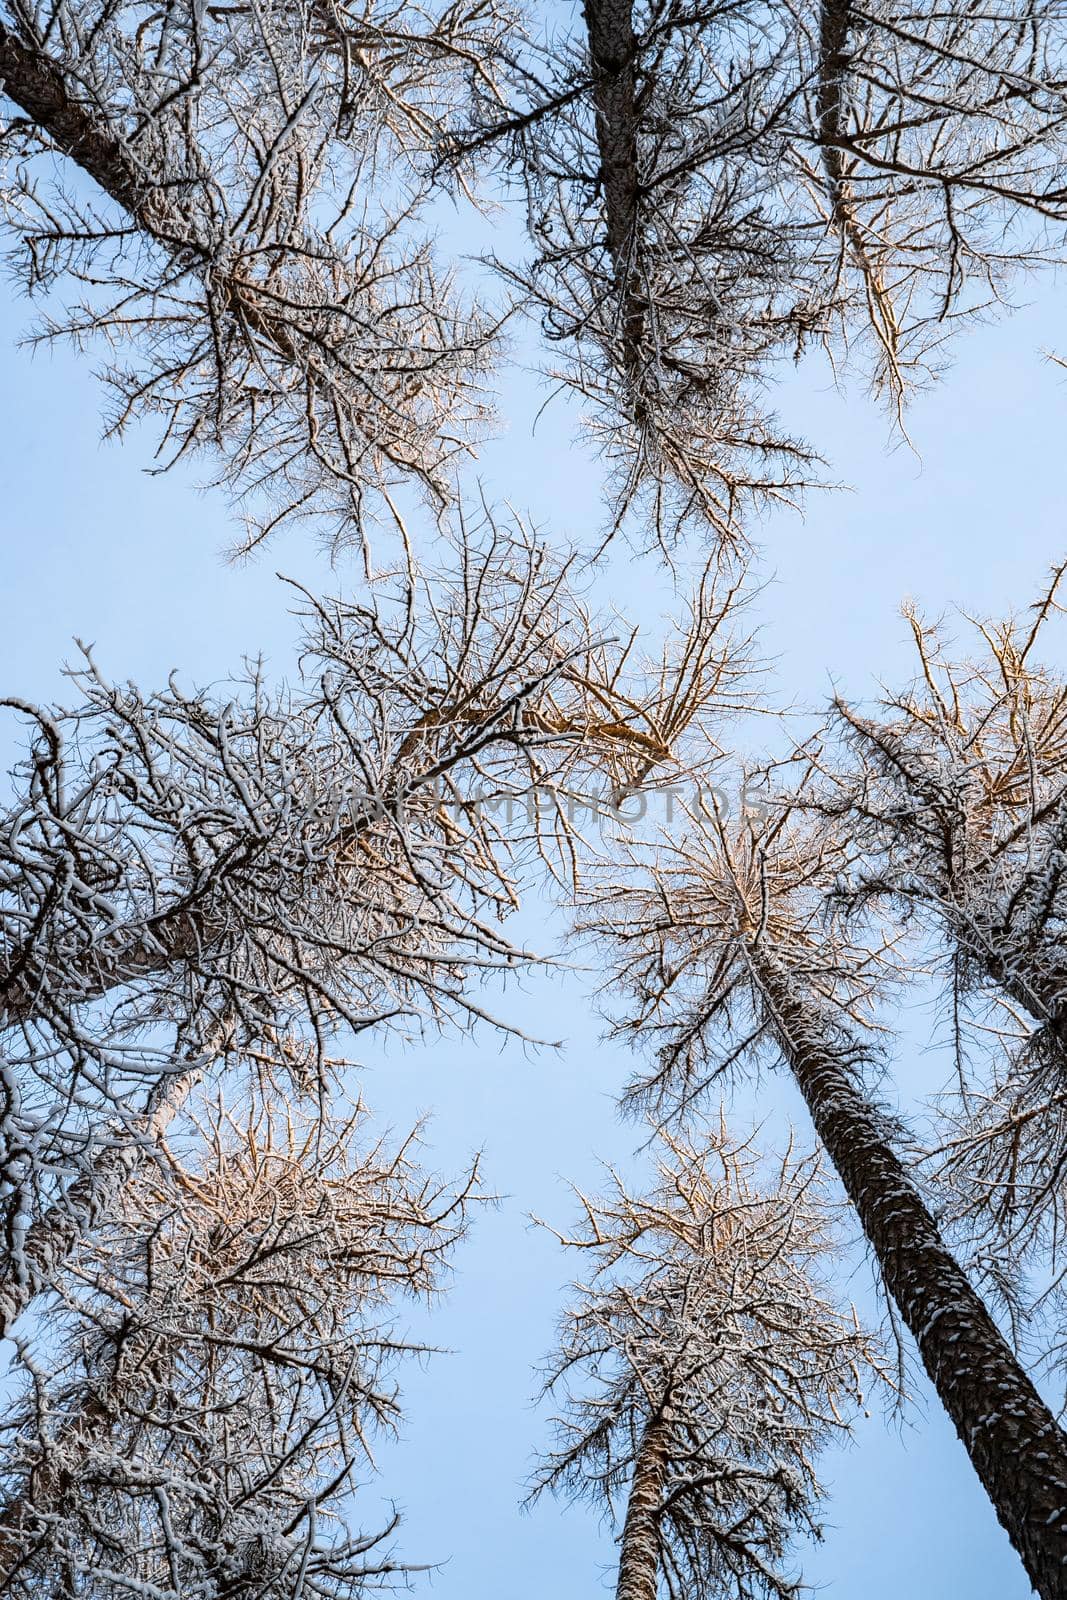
38,86
613,52
639,1555
1015,1445
830,95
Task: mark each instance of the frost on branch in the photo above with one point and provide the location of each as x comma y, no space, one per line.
955,794
703,1365
219,1360
188,876
252,234
734,949
710,189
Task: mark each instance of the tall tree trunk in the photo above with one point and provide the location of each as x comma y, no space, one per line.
639,1557
610,28
831,101
612,52
1015,1445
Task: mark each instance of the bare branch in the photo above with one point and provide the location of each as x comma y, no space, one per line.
730,949
703,1365
283,312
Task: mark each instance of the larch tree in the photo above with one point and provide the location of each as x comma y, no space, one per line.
702,1366
729,946
252,236
222,1357
954,794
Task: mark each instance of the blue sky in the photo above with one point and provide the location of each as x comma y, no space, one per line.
972,517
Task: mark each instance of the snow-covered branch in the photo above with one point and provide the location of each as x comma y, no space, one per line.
704,1364
735,954
263,257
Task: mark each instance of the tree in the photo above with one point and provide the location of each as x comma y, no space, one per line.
955,795
224,1361
187,877
260,248
702,1366
727,943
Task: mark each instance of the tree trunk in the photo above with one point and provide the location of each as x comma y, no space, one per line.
609,24
612,51
39,87
831,101
1015,1445
834,23
640,1553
